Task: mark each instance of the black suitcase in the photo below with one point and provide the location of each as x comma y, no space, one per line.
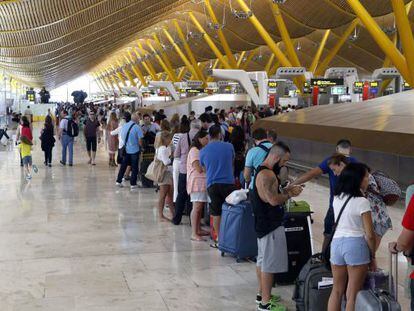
298,238
147,158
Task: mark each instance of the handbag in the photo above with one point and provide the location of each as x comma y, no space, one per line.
122,152
326,252
156,170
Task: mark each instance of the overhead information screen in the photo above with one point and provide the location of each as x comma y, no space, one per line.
327,82
31,96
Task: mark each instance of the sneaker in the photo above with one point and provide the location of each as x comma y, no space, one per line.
70,164
271,307
127,178
50,164
134,187
273,298
28,177
35,169
118,184
63,163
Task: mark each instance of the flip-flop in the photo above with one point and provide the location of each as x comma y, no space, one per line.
214,245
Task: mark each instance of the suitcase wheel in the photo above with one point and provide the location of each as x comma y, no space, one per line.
222,254
238,260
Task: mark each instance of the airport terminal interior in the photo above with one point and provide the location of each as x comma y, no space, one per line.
206,155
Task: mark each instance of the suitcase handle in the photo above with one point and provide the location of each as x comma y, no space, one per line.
393,270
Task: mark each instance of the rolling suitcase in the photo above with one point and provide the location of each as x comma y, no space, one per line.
379,299
237,234
297,223
307,294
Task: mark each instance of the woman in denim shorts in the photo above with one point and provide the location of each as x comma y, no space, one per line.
353,244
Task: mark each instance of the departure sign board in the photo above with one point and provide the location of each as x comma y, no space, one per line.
272,84
31,95
358,87
373,84
327,82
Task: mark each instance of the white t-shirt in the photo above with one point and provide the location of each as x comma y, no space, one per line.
350,224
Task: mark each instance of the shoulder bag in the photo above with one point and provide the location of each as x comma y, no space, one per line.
122,151
156,170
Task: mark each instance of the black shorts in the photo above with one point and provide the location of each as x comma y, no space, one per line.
218,194
91,143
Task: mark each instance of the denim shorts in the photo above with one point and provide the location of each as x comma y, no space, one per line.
350,251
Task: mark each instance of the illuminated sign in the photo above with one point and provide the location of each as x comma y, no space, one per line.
31,96
272,84
358,84
374,84
327,82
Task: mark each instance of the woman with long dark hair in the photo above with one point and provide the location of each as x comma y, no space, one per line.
48,140
353,244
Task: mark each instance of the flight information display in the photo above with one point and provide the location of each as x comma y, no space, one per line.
327,82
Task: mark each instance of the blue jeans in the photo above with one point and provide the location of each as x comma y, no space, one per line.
67,143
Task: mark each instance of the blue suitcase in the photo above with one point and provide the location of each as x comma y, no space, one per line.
237,231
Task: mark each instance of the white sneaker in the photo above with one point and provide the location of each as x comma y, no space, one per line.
120,185
134,187
28,177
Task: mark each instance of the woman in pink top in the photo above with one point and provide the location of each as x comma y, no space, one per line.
196,183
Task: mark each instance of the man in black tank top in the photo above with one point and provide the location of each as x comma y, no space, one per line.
268,206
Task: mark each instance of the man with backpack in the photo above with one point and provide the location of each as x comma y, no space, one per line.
68,130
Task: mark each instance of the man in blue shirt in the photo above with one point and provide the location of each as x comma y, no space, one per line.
218,160
256,155
342,147
132,146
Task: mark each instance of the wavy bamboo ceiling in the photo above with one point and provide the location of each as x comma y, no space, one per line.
49,42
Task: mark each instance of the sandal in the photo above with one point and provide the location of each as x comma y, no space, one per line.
214,244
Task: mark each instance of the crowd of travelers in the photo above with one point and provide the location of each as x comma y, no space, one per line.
195,162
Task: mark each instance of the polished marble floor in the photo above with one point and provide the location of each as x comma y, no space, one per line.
70,240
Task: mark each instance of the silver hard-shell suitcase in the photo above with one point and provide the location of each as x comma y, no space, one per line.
379,299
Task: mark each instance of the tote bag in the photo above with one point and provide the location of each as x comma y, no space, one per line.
156,171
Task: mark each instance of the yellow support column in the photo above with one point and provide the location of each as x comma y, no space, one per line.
269,63
106,80
240,60
249,59
334,51
223,41
146,63
180,53
381,38
190,53
135,69
120,76
265,35
163,53
128,75
273,70
405,33
290,49
114,80
318,54
98,82
210,42
163,65
181,73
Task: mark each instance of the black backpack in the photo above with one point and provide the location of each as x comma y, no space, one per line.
72,128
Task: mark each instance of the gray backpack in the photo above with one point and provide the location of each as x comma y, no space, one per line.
307,295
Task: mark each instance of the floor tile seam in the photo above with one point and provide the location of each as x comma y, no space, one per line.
163,300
